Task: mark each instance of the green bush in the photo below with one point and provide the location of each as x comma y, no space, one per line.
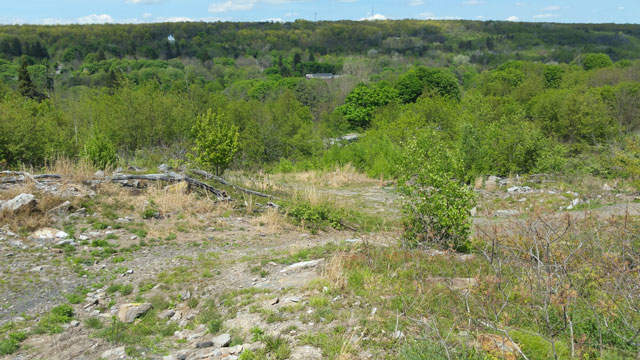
100,151
438,200
11,343
51,323
216,139
314,216
594,61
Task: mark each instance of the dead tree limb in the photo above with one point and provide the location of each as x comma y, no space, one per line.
222,181
15,177
168,177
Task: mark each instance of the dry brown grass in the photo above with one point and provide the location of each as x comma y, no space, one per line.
72,171
270,221
334,271
26,221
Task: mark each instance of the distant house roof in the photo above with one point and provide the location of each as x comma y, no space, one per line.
171,38
320,76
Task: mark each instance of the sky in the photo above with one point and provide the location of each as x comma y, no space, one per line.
142,11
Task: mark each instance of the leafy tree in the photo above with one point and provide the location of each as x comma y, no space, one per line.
414,82
364,100
26,87
553,76
595,61
216,141
438,200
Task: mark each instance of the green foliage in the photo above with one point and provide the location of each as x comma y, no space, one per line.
361,103
26,87
210,317
552,76
216,141
573,116
100,151
51,323
413,83
314,216
593,61
11,343
439,201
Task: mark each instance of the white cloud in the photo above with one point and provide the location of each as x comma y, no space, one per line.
95,19
551,8
374,17
232,5
620,7
145,2
275,20
416,2
147,15
432,16
174,19
521,4
472,2
512,18
545,16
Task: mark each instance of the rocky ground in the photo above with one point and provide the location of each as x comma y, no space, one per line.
161,272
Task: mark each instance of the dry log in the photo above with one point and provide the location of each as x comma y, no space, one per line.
169,177
20,176
210,176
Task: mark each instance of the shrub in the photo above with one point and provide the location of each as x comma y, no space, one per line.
594,61
100,151
216,141
438,200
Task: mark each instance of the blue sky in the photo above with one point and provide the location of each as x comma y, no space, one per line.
139,11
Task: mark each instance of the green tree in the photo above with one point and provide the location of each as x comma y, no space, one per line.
594,61
438,200
216,141
100,151
26,87
360,104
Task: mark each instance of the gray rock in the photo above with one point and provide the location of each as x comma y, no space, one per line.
61,209
306,353
222,340
129,312
302,265
167,314
507,212
185,294
114,354
74,323
49,234
22,202
99,174
204,344
163,167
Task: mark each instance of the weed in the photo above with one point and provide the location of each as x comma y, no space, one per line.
93,323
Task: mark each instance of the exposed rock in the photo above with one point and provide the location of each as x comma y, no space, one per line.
163,167
49,234
235,350
295,299
491,183
302,265
204,344
474,211
185,294
167,314
99,174
129,312
61,209
306,353
573,204
507,212
519,189
114,354
222,340
22,202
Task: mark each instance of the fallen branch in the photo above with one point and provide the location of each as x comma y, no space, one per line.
20,176
210,176
169,177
